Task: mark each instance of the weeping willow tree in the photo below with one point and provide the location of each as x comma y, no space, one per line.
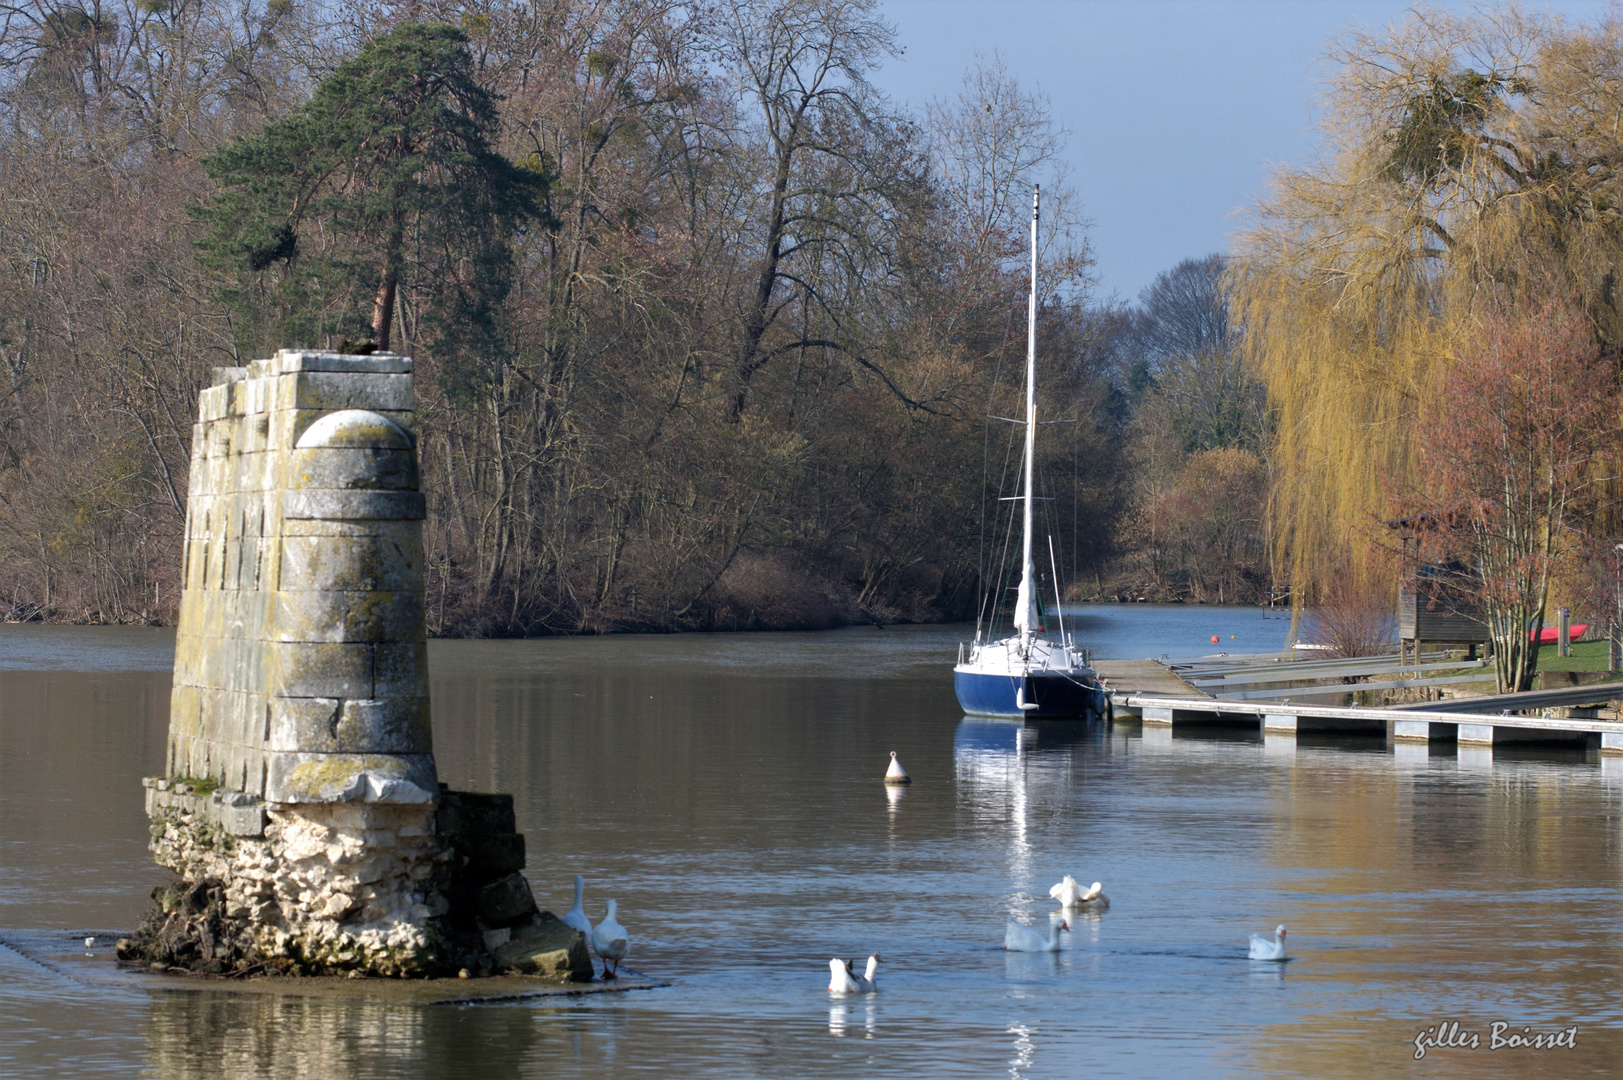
1471,164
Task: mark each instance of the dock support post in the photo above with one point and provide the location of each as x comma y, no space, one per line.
1475,734
1279,723
1157,715
1411,731
1611,742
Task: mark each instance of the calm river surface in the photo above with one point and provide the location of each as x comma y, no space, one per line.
725,789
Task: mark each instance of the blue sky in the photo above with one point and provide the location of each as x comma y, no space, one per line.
1178,109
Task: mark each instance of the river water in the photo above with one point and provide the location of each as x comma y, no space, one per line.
725,789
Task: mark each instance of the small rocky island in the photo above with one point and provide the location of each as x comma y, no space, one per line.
300,808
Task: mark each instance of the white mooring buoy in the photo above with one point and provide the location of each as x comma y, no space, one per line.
896,774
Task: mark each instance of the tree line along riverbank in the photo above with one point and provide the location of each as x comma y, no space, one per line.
725,364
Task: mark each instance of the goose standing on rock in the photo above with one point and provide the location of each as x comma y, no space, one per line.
840,980
1017,938
575,918
1263,949
1071,895
611,942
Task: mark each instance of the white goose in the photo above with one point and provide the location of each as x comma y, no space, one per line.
865,981
840,980
1017,938
1263,949
1071,895
575,918
611,942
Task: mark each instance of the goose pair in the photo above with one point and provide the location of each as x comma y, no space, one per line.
608,938
842,981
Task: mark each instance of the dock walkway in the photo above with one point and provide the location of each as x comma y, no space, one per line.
1123,678
1402,725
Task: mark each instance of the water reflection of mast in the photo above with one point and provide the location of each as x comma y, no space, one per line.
990,759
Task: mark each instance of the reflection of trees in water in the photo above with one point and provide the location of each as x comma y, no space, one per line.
206,1036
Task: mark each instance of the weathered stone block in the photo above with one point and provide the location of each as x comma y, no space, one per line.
328,725
467,812
352,468
214,403
349,616
493,852
363,562
407,535
288,360
399,670
321,670
308,724
354,505
546,947
505,900
345,778
330,390
396,726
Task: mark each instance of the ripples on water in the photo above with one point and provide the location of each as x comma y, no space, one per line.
725,789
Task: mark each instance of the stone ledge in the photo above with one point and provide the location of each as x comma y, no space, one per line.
290,360
235,812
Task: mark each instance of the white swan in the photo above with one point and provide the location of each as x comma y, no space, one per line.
1070,894
1263,949
575,917
1017,938
840,980
611,942
865,981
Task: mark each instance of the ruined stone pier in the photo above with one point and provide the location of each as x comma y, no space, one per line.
300,805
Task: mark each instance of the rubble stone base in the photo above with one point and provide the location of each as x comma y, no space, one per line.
327,887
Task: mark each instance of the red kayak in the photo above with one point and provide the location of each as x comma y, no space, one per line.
1548,635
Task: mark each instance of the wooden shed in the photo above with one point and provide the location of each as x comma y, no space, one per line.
1436,617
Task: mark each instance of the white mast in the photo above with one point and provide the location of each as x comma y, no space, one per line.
1027,619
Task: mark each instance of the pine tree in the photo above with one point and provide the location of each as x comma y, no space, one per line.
387,175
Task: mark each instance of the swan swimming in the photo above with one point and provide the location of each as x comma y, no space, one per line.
575,917
1017,938
1070,894
840,980
611,942
1263,949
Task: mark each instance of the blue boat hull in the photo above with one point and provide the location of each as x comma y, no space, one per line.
1054,695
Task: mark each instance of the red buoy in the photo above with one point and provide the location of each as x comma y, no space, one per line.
1214,639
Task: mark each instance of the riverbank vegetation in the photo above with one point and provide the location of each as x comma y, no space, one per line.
708,329
716,351
1434,309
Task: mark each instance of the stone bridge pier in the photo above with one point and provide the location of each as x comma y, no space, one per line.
300,792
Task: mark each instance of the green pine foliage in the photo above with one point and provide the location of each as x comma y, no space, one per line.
388,175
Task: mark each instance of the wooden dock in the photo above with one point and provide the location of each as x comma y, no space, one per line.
1124,678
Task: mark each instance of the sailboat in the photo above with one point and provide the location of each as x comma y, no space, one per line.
1028,674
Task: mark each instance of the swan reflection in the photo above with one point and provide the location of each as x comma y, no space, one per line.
842,1022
